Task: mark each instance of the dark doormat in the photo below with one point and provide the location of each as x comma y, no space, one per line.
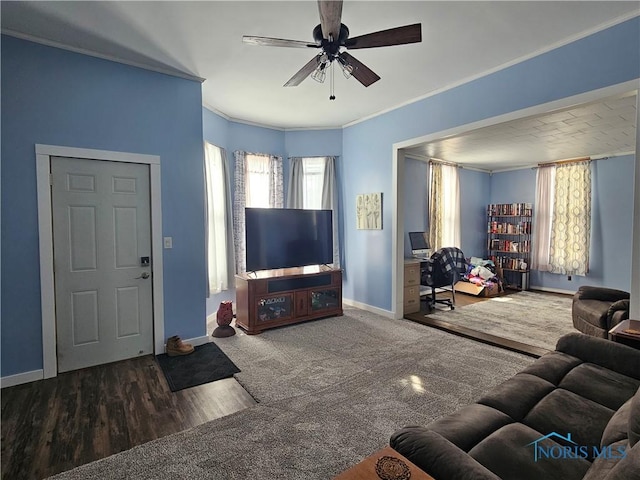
206,364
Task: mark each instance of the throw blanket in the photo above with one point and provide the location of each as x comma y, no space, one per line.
444,267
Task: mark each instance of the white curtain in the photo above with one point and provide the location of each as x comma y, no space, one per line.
218,219
571,225
444,206
312,185
542,216
258,182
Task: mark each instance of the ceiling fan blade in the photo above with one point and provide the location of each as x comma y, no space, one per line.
303,73
363,74
385,38
330,15
277,42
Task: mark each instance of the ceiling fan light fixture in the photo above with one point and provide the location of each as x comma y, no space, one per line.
347,69
320,73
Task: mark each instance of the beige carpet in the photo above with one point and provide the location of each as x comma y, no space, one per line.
533,318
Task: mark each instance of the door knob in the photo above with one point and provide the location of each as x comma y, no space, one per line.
144,275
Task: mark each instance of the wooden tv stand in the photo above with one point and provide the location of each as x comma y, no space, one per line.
272,298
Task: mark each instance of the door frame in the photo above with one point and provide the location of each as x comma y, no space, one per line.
44,153
397,176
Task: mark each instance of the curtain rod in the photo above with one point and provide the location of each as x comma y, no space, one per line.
451,164
564,162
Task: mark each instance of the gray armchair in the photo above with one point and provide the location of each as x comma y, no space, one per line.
596,310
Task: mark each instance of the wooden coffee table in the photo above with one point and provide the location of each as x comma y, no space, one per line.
366,469
619,335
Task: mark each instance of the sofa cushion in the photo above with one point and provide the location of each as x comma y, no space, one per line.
509,454
600,384
518,395
565,412
633,429
552,366
618,426
614,356
467,426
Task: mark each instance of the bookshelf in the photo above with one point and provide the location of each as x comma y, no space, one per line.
509,242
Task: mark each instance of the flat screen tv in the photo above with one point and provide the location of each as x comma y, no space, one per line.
287,237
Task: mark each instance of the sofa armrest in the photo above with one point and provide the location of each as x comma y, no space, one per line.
587,292
437,456
613,356
618,311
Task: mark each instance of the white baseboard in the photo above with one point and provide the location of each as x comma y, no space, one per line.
368,308
26,377
552,290
20,378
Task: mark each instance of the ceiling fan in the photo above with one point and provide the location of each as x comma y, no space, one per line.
332,37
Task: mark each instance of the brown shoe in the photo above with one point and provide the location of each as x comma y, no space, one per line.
175,347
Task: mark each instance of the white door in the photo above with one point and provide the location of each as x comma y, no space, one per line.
102,254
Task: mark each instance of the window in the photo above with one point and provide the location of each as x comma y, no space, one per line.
257,178
313,180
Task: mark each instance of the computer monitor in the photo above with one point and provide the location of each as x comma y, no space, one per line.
419,244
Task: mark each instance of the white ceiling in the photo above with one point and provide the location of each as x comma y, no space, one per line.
461,41
599,129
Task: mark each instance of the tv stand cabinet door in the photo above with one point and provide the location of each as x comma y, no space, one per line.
276,308
326,300
302,303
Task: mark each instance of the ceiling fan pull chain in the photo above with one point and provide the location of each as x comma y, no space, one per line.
331,79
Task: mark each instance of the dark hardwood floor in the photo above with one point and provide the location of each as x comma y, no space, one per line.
54,425
463,299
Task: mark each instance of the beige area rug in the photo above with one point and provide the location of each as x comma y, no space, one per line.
533,318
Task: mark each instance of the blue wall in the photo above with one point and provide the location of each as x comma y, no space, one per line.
313,143
415,189
475,188
51,96
603,59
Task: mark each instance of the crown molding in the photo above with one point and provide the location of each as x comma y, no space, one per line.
91,53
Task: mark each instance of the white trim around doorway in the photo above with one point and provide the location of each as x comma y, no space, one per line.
47,292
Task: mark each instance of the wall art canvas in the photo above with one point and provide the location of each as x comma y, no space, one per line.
369,211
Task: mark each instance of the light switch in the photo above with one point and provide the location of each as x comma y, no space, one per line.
168,242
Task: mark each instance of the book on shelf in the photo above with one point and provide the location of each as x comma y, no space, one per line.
510,209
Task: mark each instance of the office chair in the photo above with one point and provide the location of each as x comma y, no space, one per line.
445,267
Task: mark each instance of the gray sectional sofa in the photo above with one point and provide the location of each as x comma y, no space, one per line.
573,414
